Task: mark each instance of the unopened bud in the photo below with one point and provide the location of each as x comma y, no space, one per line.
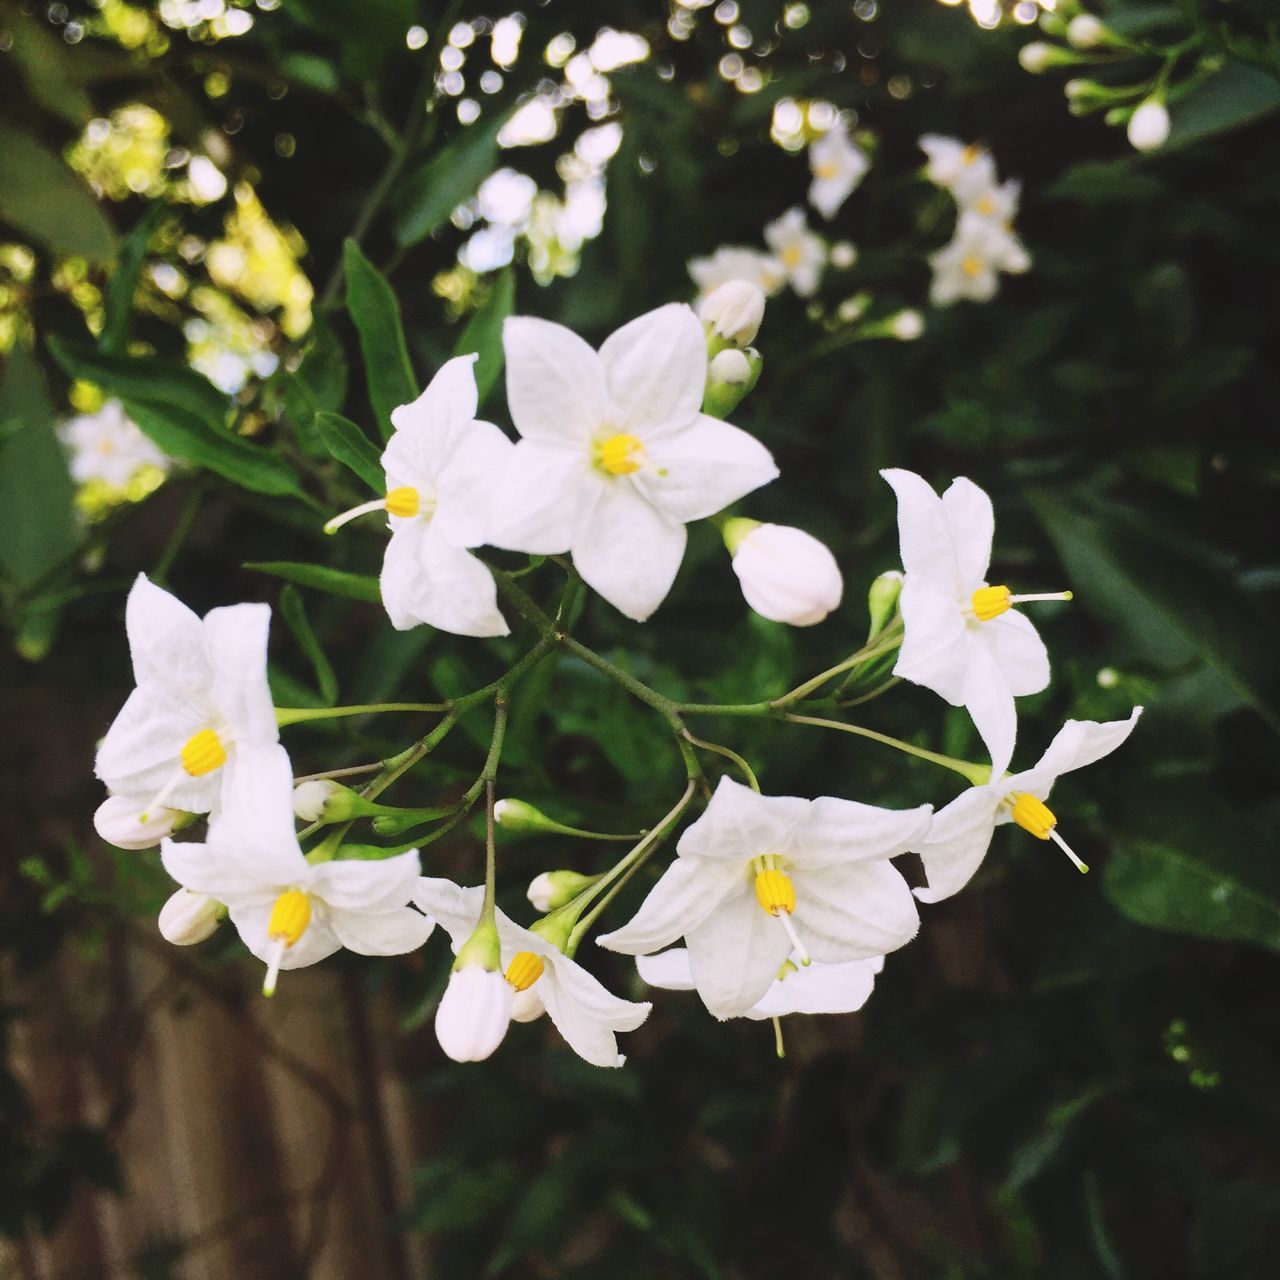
730,367
1084,31
310,798
853,309
733,312
882,600
188,918
1149,125
843,255
730,376
907,325
120,822
553,889
474,1013
786,575
1037,56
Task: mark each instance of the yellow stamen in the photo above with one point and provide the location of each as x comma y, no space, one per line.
620,454
970,154
1035,816
524,970
991,602
971,265
289,917
403,502
775,892
826,171
202,753
791,256
986,205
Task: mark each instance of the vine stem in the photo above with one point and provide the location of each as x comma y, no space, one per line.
300,715
978,774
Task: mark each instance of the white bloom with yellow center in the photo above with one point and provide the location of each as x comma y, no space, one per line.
961,636
108,446
737,262
441,465
964,169
201,699
288,912
616,454
760,877
970,265
802,253
957,839
838,165
541,977
998,204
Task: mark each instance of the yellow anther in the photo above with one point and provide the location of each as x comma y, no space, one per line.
991,602
970,154
524,970
402,502
791,256
202,753
620,454
826,171
775,892
1033,815
971,265
289,917
986,205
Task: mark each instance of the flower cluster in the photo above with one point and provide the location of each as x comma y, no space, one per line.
107,447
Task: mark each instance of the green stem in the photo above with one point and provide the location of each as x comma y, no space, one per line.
978,774
300,715
729,754
160,574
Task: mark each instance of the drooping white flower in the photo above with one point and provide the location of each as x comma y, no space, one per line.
187,918
737,262
802,253
733,311
133,824
786,575
964,169
1149,125
957,839
969,266
758,877
798,988
201,699
838,165
441,466
289,912
961,637
616,454
108,446
540,976
474,1013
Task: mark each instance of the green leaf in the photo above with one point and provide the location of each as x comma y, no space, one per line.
1237,95
367,45
337,582
483,333
124,281
352,448
43,199
376,315
430,194
48,66
36,519
294,613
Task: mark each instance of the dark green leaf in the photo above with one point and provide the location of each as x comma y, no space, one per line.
352,448
483,333
49,68
1236,96
294,613
124,281
376,314
337,582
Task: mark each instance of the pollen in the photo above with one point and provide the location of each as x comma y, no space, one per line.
202,753
620,454
971,265
986,205
403,502
775,892
991,602
290,916
970,154
524,970
1033,815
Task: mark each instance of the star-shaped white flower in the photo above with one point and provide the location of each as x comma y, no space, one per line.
737,262
544,978
616,454
961,638
970,265
838,165
108,446
798,988
289,913
802,253
201,699
757,877
964,169
997,204
441,466
957,839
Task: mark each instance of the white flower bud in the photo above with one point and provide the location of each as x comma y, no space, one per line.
854,308
552,889
882,599
1149,125
120,822
310,798
843,255
474,1013
1084,31
734,311
907,326
188,918
787,575
730,368
1037,56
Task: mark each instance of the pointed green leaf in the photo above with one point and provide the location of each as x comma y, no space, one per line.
483,333
337,582
346,442
294,613
376,315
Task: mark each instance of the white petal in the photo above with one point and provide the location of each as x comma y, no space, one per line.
668,969
686,894
586,1014
381,933
841,831
699,471
934,649
989,702
735,954
924,535
1018,652
450,397
972,524
956,843
542,496
656,368
357,884
739,825
165,640
556,387
426,579
628,551
466,480
198,868
254,828
820,988
853,912
1077,744
236,643
451,906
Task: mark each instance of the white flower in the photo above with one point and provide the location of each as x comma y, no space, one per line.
290,913
961,638
1149,125
968,267
758,877
997,203
838,166
843,254
541,976
441,467
737,262
474,1013
958,837
802,253
734,311
201,699
132,824
187,918
616,455
964,169
1085,31
107,446
787,575
798,988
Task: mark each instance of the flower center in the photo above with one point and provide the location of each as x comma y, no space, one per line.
620,454
986,205
290,915
827,171
991,602
791,256
776,895
971,265
1033,815
970,154
403,502
202,753
524,970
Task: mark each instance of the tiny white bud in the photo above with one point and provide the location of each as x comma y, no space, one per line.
730,368
188,918
129,824
1108,678
853,309
552,889
907,325
734,311
1084,31
1079,88
1149,125
843,255
542,892
1037,56
787,575
310,798
474,1013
